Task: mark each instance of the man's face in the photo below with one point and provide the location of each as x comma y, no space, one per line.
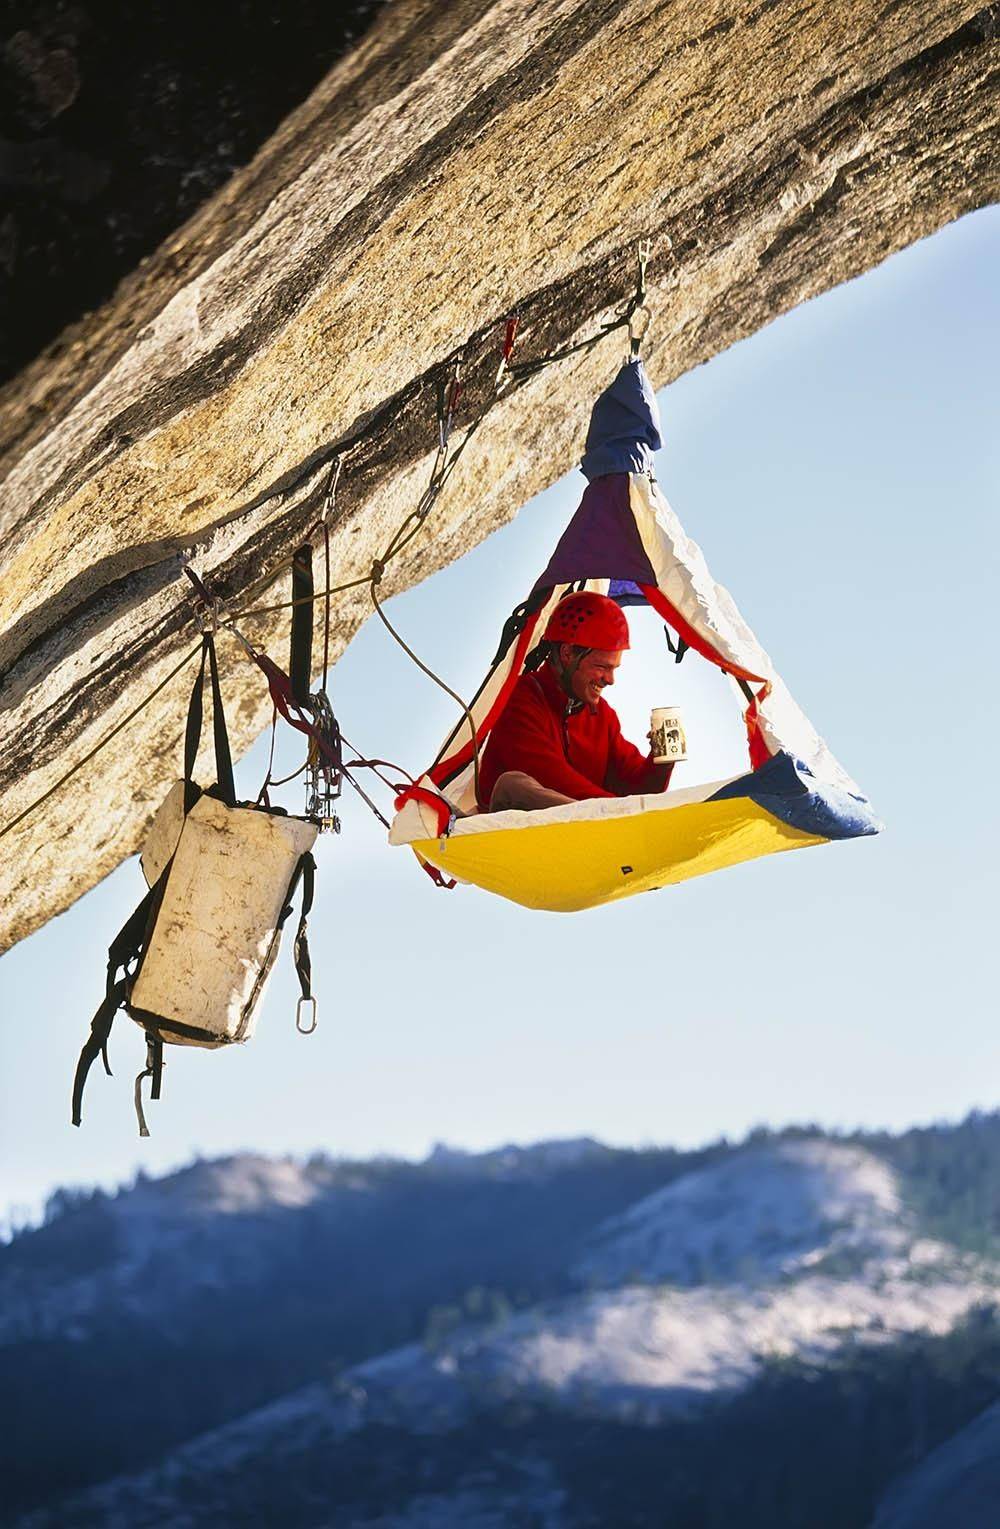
595,670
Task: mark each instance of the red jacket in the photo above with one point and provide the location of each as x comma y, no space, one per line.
565,745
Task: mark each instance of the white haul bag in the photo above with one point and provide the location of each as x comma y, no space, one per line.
229,879
196,954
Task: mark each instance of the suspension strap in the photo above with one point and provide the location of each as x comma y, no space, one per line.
300,650
192,735
440,807
280,687
515,623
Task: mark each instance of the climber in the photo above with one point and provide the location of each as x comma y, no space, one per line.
558,740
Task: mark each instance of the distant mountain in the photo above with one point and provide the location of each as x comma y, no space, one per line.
562,1334
759,1214
232,1282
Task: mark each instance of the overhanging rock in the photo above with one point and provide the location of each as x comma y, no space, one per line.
462,162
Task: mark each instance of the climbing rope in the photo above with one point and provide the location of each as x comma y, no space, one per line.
92,754
449,390
437,681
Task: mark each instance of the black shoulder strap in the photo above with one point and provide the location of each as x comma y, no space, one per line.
303,961
305,872
130,940
300,654
126,947
96,1044
192,735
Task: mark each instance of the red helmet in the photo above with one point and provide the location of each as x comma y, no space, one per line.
588,621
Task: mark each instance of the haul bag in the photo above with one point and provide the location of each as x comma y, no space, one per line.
191,963
217,928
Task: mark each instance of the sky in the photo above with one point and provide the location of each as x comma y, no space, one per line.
840,470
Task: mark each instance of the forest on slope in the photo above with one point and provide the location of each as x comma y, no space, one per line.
133,1323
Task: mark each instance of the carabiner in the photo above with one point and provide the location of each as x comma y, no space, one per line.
302,1029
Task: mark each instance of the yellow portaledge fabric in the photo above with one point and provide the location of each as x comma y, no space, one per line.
564,867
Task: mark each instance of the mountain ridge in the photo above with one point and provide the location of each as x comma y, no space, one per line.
308,1309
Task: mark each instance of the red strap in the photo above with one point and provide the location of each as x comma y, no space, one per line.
446,766
510,333
284,700
759,751
439,881
430,799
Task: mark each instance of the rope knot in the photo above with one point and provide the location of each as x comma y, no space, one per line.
378,569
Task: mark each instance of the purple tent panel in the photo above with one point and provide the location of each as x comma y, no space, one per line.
626,592
601,541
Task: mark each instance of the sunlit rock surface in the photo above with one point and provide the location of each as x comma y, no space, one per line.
777,1211
461,162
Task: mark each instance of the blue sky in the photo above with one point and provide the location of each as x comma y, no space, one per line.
841,471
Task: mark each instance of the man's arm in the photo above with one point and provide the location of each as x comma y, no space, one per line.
629,772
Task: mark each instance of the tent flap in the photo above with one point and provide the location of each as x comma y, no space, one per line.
787,789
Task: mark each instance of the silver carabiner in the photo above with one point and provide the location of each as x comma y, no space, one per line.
637,331
302,1029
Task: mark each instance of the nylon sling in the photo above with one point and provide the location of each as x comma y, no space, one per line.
301,642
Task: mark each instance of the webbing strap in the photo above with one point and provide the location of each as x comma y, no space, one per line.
678,648
447,883
427,798
300,651
300,950
126,947
514,625
294,714
96,1044
192,735
154,1092
131,937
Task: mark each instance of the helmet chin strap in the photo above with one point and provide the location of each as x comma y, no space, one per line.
567,672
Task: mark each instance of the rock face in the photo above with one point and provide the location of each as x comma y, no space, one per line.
462,162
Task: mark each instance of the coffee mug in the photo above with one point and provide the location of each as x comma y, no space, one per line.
667,735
